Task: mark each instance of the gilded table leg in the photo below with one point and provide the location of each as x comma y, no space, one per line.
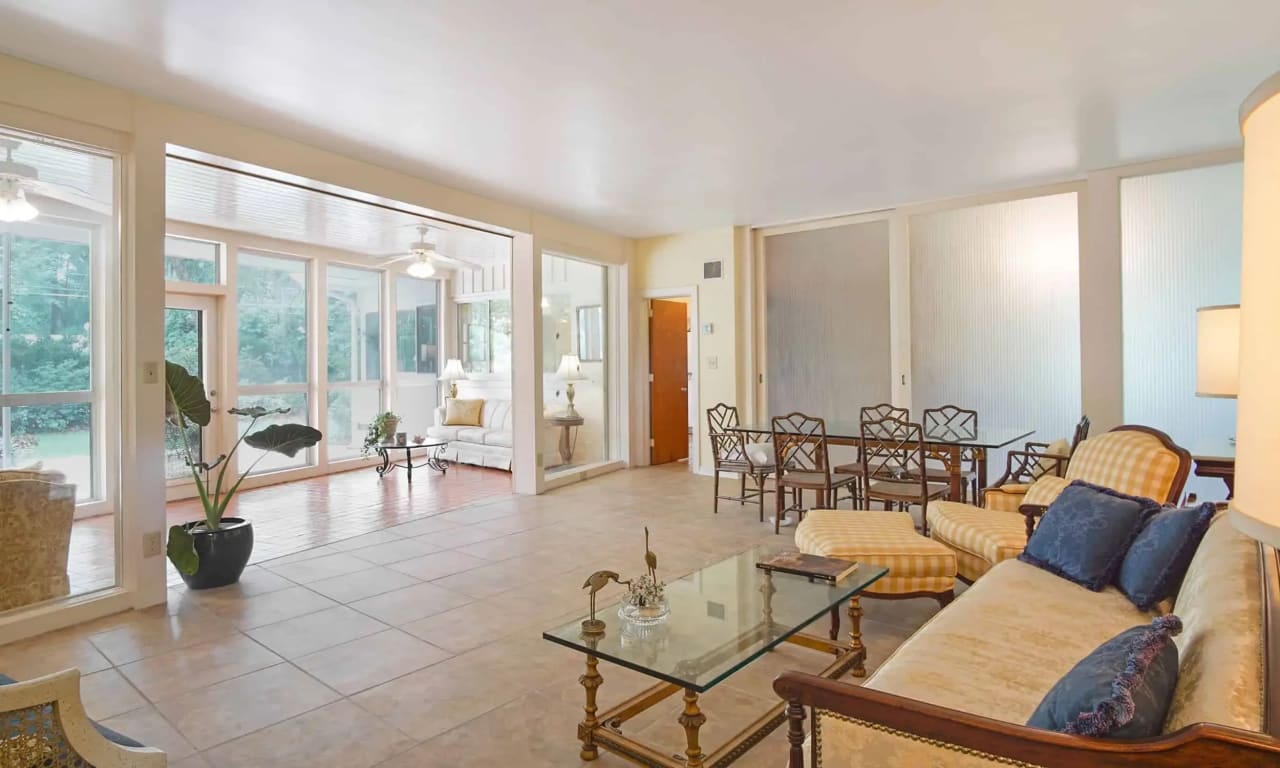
855,636
586,731
691,721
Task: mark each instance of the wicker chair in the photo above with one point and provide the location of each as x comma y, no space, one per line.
954,423
42,723
732,452
1138,461
801,454
893,466
35,538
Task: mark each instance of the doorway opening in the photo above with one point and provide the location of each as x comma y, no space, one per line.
672,386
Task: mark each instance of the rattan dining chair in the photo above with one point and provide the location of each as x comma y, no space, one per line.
951,422
732,451
893,465
800,452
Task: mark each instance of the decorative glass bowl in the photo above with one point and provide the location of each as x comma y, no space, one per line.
644,615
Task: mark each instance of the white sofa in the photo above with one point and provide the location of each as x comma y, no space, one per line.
488,445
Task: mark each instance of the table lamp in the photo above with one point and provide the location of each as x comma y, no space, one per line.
570,370
1254,510
1218,351
452,373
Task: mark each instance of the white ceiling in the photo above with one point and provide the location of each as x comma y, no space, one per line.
668,115
216,197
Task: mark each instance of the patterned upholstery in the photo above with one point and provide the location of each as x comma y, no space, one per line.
1130,461
981,535
35,538
887,539
839,737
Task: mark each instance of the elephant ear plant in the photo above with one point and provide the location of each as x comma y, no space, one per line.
186,404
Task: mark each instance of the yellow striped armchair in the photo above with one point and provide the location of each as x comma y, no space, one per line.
1139,461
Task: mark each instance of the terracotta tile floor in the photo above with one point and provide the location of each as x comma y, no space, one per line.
419,644
301,515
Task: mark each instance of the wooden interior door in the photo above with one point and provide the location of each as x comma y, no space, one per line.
668,381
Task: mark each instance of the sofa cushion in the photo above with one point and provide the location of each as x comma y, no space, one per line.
1085,533
1221,645
497,415
462,413
1045,489
1121,690
472,435
1158,558
1001,645
1059,447
443,433
498,438
993,535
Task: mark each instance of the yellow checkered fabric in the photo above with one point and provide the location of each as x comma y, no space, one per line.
1005,498
1045,490
977,534
887,539
1131,462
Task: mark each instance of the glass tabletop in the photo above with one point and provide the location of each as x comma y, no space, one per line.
984,437
722,617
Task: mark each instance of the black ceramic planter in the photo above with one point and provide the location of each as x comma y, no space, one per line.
223,553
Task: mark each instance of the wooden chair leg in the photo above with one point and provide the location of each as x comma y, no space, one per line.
742,488
715,502
761,479
780,501
924,517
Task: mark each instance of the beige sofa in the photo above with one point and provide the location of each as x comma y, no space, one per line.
488,445
958,692
36,511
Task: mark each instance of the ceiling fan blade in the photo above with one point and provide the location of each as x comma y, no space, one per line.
455,263
403,257
67,195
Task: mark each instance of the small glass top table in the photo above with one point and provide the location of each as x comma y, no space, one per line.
721,618
433,459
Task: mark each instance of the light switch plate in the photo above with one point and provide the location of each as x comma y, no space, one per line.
713,362
151,544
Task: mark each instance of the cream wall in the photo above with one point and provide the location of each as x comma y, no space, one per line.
43,100
675,262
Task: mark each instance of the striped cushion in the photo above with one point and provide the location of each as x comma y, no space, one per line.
1045,490
1005,498
887,539
984,533
1128,461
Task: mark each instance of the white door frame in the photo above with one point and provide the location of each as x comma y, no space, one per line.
646,431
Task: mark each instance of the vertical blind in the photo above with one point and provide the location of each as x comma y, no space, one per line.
1180,250
827,310
995,314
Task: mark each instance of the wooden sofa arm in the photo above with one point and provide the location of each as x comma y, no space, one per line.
1032,512
956,731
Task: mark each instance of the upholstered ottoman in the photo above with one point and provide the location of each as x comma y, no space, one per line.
918,566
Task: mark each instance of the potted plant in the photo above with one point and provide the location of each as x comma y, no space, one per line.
381,429
214,551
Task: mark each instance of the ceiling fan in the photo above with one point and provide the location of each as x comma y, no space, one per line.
17,180
426,259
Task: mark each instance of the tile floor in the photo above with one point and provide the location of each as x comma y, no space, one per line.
301,515
419,644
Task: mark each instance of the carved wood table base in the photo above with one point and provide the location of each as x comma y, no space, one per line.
604,730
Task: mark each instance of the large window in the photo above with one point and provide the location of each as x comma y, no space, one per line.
1180,250
484,336
271,321
575,357
417,352
354,312
47,287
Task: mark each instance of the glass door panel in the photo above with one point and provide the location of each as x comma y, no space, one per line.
189,332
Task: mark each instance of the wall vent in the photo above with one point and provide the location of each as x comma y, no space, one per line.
711,270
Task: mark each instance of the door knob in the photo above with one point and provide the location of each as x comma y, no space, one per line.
684,389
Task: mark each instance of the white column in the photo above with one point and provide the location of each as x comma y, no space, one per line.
526,362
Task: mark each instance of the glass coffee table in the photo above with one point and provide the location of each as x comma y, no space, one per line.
431,459
722,617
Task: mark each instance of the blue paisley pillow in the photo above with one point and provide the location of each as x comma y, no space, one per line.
1085,532
1121,690
1160,555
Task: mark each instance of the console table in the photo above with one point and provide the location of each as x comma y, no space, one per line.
568,434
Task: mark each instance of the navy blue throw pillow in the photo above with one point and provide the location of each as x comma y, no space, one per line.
1085,532
1121,690
1158,558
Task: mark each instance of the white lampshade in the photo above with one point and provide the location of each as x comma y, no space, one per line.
1255,509
570,369
1218,351
453,370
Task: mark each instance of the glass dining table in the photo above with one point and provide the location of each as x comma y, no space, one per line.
951,447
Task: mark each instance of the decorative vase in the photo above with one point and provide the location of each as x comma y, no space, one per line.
223,552
644,614
389,429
